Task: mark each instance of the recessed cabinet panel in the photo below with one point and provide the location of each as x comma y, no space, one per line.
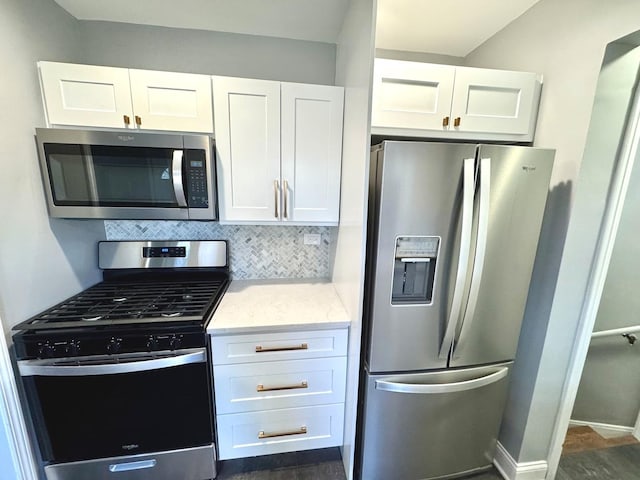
445,101
279,151
294,383
276,431
247,119
96,96
311,152
86,95
411,94
171,101
494,100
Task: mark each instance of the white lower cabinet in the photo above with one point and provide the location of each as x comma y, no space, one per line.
278,431
287,399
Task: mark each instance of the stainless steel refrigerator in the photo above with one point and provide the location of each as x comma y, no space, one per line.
453,232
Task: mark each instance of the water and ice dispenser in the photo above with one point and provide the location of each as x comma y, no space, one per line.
414,270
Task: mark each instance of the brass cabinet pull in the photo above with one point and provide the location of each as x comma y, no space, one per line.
262,388
138,120
456,122
300,431
445,122
127,120
261,349
276,199
285,193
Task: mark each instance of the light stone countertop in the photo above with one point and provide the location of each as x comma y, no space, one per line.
251,306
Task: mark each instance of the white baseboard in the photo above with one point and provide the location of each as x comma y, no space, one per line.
512,470
601,426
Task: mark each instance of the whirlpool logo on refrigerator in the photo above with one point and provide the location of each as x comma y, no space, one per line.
528,168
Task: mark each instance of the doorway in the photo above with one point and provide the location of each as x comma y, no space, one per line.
601,398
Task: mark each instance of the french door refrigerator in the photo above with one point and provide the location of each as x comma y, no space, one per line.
453,232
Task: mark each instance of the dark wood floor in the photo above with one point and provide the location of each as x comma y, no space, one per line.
615,463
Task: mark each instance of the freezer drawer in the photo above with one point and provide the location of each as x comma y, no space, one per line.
432,425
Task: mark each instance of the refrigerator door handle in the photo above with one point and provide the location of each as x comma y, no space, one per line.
453,387
480,250
468,189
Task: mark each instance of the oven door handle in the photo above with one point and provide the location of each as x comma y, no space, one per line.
48,368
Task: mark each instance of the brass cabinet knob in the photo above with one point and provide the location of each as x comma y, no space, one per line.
138,120
445,122
127,120
456,122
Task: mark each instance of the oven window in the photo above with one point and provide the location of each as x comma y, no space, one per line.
111,176
88,417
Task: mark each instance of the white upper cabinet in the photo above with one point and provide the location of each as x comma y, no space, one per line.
411,94
444,101
494,101
96,96
86,95
247,121
171,101
279,150
311,152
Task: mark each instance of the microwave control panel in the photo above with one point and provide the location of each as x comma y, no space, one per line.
197,189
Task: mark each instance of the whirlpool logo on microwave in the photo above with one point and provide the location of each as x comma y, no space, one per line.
126,138
131,446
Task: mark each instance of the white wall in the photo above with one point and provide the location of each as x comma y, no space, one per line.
42,261
354,71
199,51
565,41
419,57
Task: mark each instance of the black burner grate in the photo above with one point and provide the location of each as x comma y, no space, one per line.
135,302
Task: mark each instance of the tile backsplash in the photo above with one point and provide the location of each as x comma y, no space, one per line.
255,251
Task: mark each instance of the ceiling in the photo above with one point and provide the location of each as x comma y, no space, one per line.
315,20
444,27
435,26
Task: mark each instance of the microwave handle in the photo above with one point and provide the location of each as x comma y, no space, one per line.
176,170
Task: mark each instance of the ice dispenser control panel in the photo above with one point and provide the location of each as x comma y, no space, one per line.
414,270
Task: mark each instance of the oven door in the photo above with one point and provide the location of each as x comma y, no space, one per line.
119,405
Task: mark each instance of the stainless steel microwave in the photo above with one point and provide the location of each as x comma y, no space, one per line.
127,175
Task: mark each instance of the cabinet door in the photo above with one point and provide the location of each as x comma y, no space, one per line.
411,94
311,152
494,101
86,95
247,121
179,102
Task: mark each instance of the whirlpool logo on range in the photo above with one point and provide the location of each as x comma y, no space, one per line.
131,446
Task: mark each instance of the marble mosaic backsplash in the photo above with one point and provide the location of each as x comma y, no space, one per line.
255,251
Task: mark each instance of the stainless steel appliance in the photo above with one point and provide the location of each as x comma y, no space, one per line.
453,232
118,378
101,174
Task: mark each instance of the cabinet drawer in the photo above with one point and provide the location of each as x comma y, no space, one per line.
297,383
267,347
277,431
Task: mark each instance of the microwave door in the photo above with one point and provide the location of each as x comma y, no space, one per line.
106,181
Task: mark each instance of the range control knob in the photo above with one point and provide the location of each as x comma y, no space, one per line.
175,342
46,350
73,348
152,343
114,345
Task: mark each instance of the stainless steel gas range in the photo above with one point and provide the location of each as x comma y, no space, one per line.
117,378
